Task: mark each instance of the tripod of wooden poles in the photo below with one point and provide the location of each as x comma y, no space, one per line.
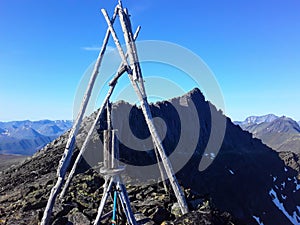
112,171
130,64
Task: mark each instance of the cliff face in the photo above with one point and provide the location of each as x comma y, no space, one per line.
244,177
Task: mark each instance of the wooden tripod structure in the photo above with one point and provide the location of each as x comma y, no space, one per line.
132,67
111,171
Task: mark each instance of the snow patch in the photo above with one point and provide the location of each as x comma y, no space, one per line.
295,219
283,196
258,220
6,133
274,179
285,169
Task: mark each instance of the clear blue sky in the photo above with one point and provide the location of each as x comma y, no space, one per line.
253,48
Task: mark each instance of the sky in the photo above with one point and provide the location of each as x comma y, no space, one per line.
251,47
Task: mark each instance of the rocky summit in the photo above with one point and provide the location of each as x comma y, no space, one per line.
227,176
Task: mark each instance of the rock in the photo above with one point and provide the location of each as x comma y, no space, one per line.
142,219
175,210
90,213
160,215
195,204
34,206
148,191
139,196
78,218
61,221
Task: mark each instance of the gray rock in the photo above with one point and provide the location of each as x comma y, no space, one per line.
78,218
175,210
142,219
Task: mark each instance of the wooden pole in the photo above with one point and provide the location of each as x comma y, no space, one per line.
137,74
106,192
115,37
140,90
125,201
161,169
66,158
106,145
115,150
83,148
108,136
121,70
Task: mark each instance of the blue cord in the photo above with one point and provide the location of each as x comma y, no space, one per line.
115,208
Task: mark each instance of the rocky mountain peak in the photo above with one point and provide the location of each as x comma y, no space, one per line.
245,178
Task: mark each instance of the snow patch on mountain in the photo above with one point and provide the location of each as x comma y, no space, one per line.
258,220
295,218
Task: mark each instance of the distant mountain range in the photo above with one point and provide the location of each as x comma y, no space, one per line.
26,137
257,120
280,133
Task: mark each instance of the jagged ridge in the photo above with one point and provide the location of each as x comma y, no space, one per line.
242,178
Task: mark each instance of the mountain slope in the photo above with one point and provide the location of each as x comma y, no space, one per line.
245,178
26,137
281,134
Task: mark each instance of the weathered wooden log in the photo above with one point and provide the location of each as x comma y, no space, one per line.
121,70
106,146
140,90
107,138
161,169
106,191
66,158
125,201
115,37
115,150
130,44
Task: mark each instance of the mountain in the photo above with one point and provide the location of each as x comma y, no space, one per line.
282,134
7,161
246,181
26,137
251,120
